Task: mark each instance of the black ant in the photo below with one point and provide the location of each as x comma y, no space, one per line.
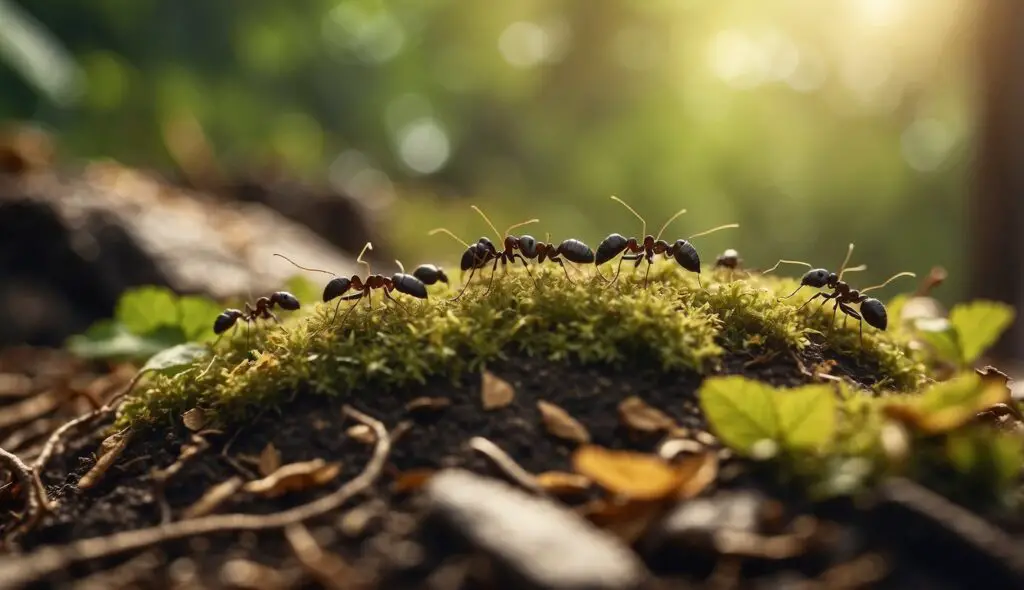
262,310
729,259
573,250
429,274
872,310
639,250
477,256
401,282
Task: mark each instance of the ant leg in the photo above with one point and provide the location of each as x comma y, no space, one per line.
400,304
494,271
835,308
618,269
849,311
816,295
565,270
466,284
527,267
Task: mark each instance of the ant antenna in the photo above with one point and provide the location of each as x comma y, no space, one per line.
856,268
800,262
326,272
512,227
670,220
714,229
359,259
501,238
849,253
438,230
643,232
401,267
891,279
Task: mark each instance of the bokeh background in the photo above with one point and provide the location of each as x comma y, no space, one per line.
813,124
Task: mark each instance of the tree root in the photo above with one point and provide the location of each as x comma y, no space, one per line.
19,571
36,503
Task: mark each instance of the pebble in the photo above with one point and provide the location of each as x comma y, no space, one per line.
534,541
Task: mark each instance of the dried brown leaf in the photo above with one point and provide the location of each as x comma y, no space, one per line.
270,460
559,423
294,477
361,433
194,419
640,476
626,519
412,480
110,449
424,404
636,414
213,498
560,483
495,392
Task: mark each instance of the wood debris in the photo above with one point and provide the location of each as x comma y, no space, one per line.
637,415
110,449
495,393
194,419
213,498
270,460
559,423
427,404
294,477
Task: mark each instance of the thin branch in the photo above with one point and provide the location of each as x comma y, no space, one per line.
19,571
506,465
35,503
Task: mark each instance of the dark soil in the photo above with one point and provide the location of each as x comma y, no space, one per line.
312,427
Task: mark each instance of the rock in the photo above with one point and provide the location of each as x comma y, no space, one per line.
69,246
533,541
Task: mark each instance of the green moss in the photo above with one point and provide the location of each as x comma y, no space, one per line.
672,322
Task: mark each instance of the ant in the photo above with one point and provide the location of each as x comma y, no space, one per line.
639,250
872,310
573,250
729,259
230,317
428,274
478,255
401,282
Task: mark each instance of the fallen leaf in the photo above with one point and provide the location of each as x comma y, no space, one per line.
294,477
362,433
640,476
559,423
561,483
495,392
270,460
194,419
213,498
626,519
110,449
412,480
428,404
637,415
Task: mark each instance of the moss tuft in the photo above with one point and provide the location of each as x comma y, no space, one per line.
672,323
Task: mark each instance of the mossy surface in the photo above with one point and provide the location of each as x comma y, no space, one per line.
671,323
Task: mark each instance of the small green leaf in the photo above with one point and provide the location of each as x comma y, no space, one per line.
979,324
144,309
196,317
941,337
949,404
807,416
175,358
108,339
742,412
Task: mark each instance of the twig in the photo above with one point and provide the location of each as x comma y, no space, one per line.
329,570
36,502
17,572
506,465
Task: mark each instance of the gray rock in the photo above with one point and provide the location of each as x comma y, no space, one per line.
536,543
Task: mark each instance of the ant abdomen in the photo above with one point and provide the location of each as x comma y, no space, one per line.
285,300
576,251
428,274
226,320
409,285
336,288
609,248
686,256
873,312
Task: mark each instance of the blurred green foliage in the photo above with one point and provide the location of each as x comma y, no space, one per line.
812,124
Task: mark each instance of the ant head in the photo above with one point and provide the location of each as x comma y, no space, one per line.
873,312
817,278
528,246
286,300
225,320
509,243
686,255
336,288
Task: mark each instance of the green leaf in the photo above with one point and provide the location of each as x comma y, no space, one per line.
196,316
175,358
741,411
979,324
144,309
949,404
807,416
941,337
108,339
